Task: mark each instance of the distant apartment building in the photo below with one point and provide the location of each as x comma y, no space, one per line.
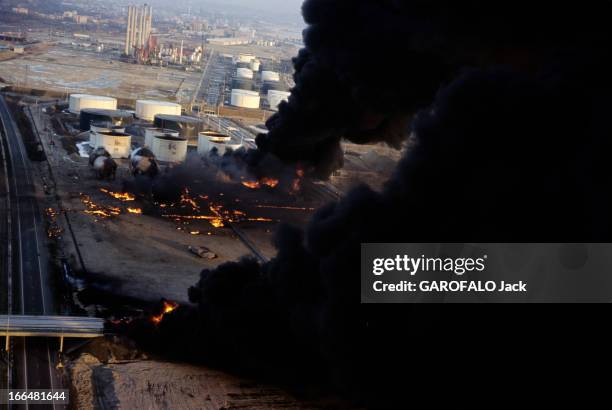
20,10
81,19
70,14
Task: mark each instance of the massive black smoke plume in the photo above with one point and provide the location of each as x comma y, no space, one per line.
508,108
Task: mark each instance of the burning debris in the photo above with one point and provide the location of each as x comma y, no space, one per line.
53,228
263,182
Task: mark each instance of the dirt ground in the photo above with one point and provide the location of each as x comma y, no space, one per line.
75,70
144,257
106,374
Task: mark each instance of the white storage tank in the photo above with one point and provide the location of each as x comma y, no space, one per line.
275,97
147,109
254,65
245,98
270,76
118,144
245,58
208,140
244,73
167,148
80,102
97,128
151,133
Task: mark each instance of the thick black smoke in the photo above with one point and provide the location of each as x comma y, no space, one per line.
367,65
511,139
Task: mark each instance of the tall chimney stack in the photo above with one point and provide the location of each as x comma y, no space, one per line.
128,33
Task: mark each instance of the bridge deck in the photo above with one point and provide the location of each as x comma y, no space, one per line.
51,326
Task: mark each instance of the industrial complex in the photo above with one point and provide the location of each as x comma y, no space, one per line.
131,131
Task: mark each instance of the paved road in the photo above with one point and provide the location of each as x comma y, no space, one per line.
33,359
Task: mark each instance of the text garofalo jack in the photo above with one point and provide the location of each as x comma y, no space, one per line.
455,267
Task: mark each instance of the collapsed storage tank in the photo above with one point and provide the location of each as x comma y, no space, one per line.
80,102
209,140
150,133
148,109
187,127
167,148
114,117
118,144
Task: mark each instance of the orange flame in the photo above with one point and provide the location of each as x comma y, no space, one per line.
137,211
169,306
122,196
265,181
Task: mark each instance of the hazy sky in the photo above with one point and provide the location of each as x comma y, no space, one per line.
289,7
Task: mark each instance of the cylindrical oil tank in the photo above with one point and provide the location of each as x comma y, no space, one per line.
102,127
150,133
243,84
169,149
208,140
255,65
118,144
148,109
275,97
114,117
79,102
270,76
245,98
188,127
245,58
244,73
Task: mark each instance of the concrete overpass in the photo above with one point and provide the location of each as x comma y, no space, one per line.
50,326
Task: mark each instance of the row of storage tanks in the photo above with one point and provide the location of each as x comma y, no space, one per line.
168,138
244,93
145,109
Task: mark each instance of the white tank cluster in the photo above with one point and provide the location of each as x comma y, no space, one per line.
147,109
245,98
151,133
270,76
255,65
167,148
80,102
118,144
244,73
209,140
275,97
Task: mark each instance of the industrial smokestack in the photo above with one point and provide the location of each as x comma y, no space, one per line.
181,53
128,34
133,30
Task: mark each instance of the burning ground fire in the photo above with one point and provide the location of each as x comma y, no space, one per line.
168,307
107,211
218,215
122,196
